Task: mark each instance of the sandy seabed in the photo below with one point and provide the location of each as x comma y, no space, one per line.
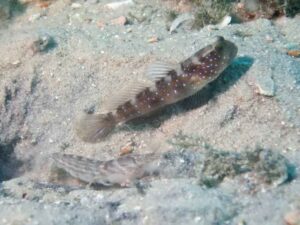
69,58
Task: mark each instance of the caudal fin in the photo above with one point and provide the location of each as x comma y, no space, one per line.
93,128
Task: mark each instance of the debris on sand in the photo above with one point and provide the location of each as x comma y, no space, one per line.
225,22
292,218
212,12
153,39
76,5
180,20
128,148
266,86
230,115
42,43
294,53
263,81
122,20
253,9
119,4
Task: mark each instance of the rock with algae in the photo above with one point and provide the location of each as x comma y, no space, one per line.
253,9
10,8
211,12
268,166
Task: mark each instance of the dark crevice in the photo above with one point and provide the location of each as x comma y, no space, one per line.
9,164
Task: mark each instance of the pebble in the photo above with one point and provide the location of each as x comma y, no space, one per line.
16,63
118,4
34,17
153,39
292,218
42,43
76,5
264,83
122,20
269,38
225,22
127,149
294,53
266,86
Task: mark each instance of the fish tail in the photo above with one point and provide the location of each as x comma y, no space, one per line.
93,128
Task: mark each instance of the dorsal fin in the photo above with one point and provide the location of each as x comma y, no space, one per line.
126,93
158,70
195,58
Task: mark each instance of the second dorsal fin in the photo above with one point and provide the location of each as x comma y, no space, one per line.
127,93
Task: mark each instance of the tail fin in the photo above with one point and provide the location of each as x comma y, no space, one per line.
93,128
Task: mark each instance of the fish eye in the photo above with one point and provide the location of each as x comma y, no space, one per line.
219,47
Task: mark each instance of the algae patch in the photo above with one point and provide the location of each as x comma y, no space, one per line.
267,166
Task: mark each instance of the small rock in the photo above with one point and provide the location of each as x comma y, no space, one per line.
269,39
225,22
16,63
292,218
34,17
127,149
266,87
101,24
116,5
153,39
294,53
262,80
42,43
122,20
76,5
265,84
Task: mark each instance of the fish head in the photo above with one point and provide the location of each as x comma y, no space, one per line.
208,63
224,52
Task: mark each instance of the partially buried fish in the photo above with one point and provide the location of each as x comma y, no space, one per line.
165,84
123,171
